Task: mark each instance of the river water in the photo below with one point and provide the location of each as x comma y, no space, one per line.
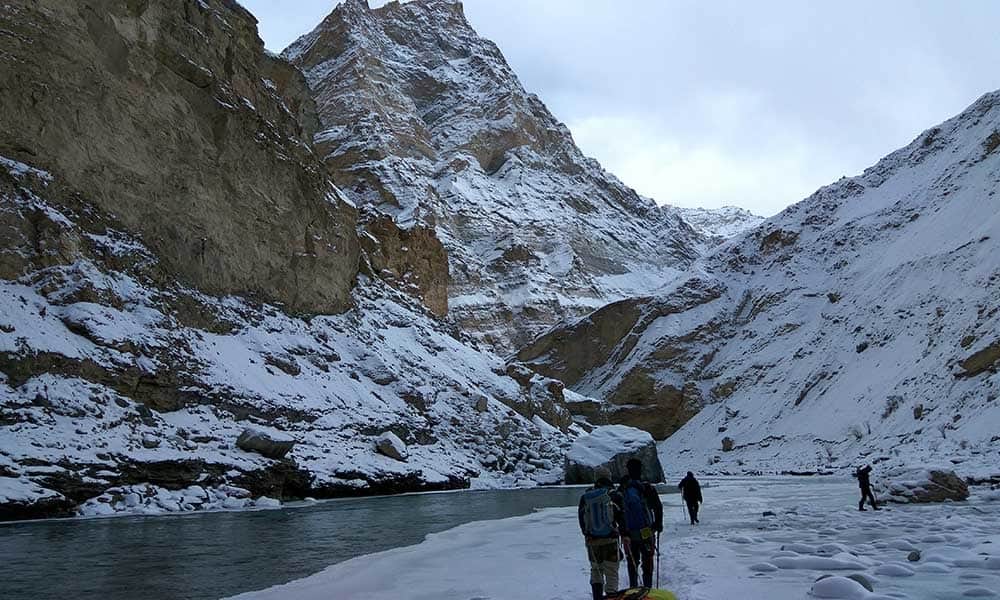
210,555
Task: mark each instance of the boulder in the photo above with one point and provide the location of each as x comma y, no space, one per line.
390,445
934,484
727,444
610,447
267,443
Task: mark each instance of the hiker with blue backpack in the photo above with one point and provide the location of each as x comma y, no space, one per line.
643,520
602,521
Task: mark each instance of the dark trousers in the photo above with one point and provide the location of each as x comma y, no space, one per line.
693,512
641,552
866,494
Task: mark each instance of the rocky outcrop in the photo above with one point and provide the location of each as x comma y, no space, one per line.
424,121
610,448
542,397
411,260
638,394
390,445
925,486
170,115
265,443
987,359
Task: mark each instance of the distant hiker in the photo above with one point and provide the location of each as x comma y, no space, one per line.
601,521
864,482
643,520
691,492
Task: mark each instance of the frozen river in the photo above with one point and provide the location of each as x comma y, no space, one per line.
204,556
736,553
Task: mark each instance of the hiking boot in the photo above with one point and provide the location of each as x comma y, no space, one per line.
862,509
598,589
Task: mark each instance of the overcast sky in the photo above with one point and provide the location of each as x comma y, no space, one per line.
753,104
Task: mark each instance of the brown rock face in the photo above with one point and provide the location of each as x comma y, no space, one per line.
636,396
982,361
146,108
412,260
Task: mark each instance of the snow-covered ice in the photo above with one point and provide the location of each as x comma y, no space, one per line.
815,523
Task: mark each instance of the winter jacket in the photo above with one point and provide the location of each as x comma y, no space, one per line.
864,477
690,490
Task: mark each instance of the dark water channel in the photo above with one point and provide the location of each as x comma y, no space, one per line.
211,555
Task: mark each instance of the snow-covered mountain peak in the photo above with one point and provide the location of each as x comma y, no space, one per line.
425,121
719,224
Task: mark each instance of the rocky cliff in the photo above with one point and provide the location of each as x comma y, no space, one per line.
172,117
184,321
859,324
424,121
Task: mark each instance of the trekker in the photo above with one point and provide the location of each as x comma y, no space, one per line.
601,521
864,482
643,520
691,492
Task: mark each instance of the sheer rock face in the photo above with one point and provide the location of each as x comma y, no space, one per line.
819,336
170,115
412,260
424,120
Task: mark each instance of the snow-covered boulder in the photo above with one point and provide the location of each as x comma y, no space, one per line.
611,447
390,445
858,577
925,485
838,587
268,443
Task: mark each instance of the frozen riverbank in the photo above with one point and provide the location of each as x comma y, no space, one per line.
736,553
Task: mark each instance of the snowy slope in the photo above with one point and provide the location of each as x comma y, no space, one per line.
109,378
424,120
720,224
859,324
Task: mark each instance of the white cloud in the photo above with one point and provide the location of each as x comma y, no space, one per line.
700,174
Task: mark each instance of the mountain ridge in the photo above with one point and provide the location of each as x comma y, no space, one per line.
423,120
841,328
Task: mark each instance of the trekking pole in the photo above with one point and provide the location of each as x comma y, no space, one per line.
657,560
632,565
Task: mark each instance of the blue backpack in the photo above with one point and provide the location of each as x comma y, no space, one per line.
637,515
598,513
